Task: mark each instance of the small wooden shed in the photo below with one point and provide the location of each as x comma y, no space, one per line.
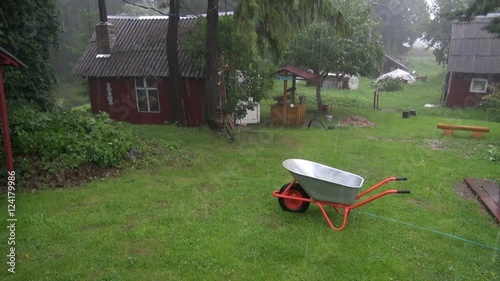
6,59
473,62
290,112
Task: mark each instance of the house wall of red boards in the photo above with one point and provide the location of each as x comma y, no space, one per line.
123,105
459,94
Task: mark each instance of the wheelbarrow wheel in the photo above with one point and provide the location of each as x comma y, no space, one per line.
290,205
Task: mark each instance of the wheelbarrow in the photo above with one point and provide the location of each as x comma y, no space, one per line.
326,186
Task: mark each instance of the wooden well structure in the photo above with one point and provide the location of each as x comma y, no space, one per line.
290,112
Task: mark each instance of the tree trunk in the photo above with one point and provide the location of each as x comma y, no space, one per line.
319,82
173,65
211,75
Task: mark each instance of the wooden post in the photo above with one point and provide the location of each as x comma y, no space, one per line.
285,101
374,99
284,91
378,96
293,88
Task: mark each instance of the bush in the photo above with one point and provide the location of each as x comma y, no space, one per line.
392,85
491,103
64,140
493,153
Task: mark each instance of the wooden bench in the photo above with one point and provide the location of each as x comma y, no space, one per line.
477,132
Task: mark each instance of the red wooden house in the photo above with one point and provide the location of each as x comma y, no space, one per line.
473,62
126,67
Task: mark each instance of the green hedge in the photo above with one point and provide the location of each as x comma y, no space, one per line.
64,140
392,85
491,103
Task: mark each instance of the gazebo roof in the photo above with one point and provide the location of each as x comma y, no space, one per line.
7,58
291,70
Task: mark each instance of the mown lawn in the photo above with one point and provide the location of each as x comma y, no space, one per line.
203,209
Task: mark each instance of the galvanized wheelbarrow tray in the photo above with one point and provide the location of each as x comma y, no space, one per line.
323,185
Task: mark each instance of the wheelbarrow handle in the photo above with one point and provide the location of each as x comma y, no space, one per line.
401,178
403,191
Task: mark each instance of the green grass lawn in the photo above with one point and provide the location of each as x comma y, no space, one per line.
204,210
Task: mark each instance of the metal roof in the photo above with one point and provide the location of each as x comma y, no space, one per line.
295,70
402,66
140,50
473,49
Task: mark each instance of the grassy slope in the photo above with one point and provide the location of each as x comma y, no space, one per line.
69,94
215,219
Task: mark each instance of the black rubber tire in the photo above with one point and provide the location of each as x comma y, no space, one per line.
303,207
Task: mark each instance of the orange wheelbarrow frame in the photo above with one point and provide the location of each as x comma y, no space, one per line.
295,199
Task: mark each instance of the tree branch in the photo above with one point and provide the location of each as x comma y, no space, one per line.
148,8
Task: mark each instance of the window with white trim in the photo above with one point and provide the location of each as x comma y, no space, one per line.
478,86
147,94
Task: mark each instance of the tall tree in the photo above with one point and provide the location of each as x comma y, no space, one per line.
272,24
403,22
145,7
211,70
245,75
173,63
320,48
29,30
438,30
76,25
200,7
483,7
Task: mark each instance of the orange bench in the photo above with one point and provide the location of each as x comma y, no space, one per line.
477,132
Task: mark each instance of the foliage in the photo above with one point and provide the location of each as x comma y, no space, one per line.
194,7
76,25
67,139
491,103
237,62
28,30
438,30
146,8
233,45
392,85
403,21
270,24
89,18
482,7
493,153
320,48
84,108
245,88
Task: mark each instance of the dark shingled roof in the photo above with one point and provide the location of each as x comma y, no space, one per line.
472,49
140,50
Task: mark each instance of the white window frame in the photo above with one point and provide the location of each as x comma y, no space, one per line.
147,89
472,90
